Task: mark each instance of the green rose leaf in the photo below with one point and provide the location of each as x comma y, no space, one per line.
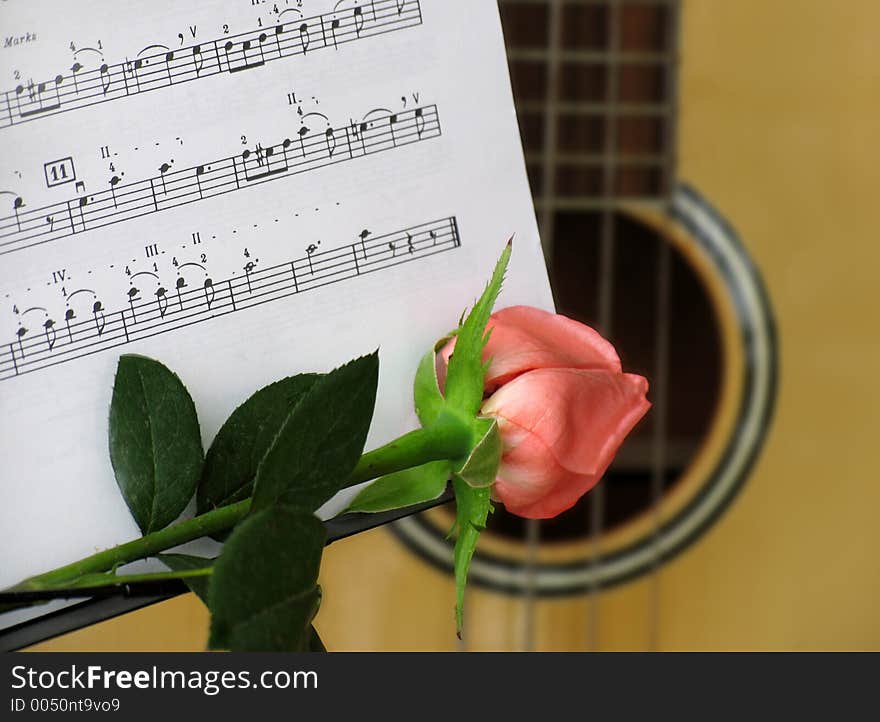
404,488
199,586
472,511
264,591
321,440
185,563
481,467
155,444
464,379
242,442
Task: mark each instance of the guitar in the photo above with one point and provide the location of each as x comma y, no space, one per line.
651,263
690,163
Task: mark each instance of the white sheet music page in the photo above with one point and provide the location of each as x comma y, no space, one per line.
243,190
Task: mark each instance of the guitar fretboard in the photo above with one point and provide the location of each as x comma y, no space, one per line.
594,84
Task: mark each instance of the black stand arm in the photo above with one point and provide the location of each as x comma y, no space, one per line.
111,602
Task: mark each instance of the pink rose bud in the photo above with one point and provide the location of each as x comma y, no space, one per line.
563,407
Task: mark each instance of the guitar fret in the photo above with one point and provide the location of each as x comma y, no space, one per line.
593,57
588,159
578,108
592,203
658,3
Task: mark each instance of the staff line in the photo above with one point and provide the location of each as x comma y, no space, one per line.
117,327
47,98
82,214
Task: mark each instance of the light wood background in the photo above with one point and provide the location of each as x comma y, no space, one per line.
779,129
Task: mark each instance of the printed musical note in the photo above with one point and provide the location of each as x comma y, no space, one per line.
334,26
132,296
17,205
248,269
303,133
162,301
69,315
114,181
144,317
169,57
20,334
279,31
100,318
49,328
420,122
179,286
239,57
133,68
358,130
106,78
198,60
200,171
240,52
305,38
209,292
310,251
285,144
74,69
331,141
19,89
37,102
163,169
80,218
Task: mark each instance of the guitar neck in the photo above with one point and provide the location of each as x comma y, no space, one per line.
595,89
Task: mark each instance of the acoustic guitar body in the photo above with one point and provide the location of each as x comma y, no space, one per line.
703,175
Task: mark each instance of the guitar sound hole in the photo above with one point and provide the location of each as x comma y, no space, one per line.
694,363
625,114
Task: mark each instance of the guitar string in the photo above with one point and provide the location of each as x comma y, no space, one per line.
547,203
548,230
660,382
605,298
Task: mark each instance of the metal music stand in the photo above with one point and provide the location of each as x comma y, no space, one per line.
115,601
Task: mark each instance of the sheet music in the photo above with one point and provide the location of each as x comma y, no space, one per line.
242,189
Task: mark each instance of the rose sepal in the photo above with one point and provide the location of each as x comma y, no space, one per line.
472,510
480,469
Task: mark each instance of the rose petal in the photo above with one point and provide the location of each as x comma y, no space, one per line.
524,338
532,484
581,416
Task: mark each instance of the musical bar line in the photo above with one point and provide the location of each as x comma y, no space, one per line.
228,54
141,317
28,227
